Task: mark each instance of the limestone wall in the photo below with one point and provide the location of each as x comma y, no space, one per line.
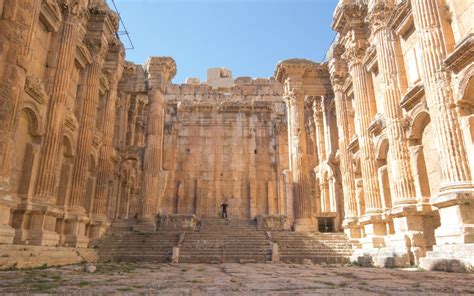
225,145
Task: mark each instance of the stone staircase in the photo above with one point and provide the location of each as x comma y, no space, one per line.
296,247
220,241
129,246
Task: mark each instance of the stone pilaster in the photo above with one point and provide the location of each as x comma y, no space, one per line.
160,72
338,76
456,198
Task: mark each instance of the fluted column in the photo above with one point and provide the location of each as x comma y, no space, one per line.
105,167
338,75
57,108
454,165
400,169
318,118
299,158
160,71
87,127
364,100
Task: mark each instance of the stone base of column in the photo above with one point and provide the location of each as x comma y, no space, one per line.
7,233
375,231
456,211
97,228
305,225
36,225
74,229
145,224
352,230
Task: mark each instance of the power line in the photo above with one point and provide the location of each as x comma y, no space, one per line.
124,31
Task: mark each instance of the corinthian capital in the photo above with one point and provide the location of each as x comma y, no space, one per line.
355,51
349,14
73,10
379,14
97,49
160,71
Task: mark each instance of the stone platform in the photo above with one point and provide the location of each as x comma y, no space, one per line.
23,256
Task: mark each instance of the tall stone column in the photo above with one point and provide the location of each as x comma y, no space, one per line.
299,158
338,76
409,221
160,72
364,100
365,109
318,118
45,219
456,198
105,171
400,170
76,214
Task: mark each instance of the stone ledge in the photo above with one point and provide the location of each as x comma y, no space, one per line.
22,256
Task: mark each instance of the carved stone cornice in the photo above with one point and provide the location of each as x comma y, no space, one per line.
71,122
370,59
348,15
51,15
353,144
377,125
462,56
412,97
401,15
294,69
83,56
34,87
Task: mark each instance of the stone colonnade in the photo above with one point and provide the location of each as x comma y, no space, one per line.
391,64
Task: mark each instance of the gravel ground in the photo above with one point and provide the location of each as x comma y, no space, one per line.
232,279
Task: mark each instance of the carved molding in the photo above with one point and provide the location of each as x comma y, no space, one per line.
462,56
377,125
51,15
34,87
412,97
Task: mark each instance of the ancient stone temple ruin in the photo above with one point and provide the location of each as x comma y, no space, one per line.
366,156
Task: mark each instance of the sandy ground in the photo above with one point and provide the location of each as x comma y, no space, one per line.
232,279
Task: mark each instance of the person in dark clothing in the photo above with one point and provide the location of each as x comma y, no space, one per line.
224,207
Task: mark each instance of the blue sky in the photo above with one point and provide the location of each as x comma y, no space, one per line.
247,36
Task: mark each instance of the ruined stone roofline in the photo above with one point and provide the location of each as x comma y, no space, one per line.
244,86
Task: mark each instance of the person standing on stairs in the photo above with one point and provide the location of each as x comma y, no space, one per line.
224,207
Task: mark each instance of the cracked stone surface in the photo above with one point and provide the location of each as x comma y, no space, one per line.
233,279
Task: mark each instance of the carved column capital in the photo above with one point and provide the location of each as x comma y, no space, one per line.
73,10
160,71
318,102
379,15
97,49
355,51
